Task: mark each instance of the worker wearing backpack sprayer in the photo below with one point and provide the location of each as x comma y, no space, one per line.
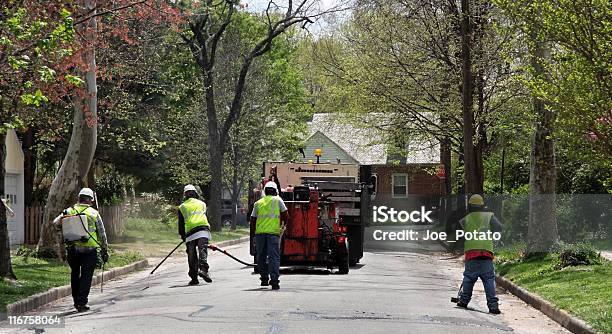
479,254
83,233
195,231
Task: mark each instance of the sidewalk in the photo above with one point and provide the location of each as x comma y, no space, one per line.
519,306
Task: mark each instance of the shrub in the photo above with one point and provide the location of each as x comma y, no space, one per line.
577,254
152,206
26,252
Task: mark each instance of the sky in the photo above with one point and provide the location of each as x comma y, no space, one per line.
260,5
320,26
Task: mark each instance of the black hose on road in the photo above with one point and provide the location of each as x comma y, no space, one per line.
167,256
215,248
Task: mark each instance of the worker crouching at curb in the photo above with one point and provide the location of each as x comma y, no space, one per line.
269,216
82,245
195,231
479,254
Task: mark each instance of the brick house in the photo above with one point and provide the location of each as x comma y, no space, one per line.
403,182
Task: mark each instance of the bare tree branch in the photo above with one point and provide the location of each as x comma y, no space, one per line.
112,10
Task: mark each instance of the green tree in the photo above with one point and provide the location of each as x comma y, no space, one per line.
273,120
32,37
424,65
84,70
569,52
203,35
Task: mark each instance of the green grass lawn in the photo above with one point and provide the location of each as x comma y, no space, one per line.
37,275
152,238
584,291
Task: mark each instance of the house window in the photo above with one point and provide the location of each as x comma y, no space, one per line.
400,185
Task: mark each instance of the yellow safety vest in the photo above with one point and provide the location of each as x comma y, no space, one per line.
92,217
478,222
194,213
268,216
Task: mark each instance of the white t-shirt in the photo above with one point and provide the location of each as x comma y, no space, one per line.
198,235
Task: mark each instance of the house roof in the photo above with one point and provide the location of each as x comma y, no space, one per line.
13,162
365,145
320,140
358,143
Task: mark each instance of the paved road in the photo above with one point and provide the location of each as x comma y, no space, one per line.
402,290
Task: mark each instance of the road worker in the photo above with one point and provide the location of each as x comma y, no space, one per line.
82,249
479,254
195,231
269,217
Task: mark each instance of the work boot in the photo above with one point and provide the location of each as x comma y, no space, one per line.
275,286
462,305
264,283
205,276
494,311
194,282
81,308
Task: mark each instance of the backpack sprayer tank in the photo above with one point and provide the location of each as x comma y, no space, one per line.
73,228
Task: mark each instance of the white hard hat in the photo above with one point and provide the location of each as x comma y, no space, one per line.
271,184
189,187
86,192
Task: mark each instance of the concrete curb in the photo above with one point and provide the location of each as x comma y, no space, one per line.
40,299
566,320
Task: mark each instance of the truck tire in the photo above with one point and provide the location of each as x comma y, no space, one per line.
343,265
342,260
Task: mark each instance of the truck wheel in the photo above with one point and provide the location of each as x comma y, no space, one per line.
343,264
342,260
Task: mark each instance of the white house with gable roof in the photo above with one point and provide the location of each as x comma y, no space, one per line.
13,188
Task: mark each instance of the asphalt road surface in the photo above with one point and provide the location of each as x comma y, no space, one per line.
399,287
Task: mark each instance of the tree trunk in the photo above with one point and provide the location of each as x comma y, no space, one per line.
29,165
215,151
542,233
6,269
481,146
446,160
235,194
467,101
460,167
90,179
216,186
446,157
82,144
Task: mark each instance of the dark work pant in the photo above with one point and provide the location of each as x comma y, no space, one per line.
268,256
82,264
195,247
484,270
